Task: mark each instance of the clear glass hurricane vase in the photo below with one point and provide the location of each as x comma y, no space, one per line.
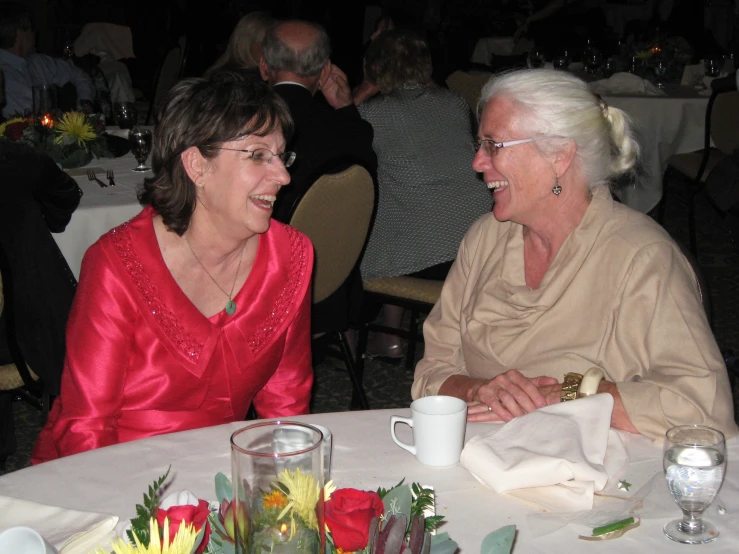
278,479
694,461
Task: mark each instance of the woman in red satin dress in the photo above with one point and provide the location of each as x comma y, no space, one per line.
200,305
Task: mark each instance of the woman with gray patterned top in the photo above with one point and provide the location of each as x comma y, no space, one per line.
428,193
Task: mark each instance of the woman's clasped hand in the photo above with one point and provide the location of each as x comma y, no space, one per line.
510,395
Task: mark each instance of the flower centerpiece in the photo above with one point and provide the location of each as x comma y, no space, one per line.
71,140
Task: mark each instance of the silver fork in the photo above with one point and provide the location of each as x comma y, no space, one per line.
92,177
109,175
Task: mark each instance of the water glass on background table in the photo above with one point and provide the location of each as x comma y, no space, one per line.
712,66
695,463
536,59
140,141
125,114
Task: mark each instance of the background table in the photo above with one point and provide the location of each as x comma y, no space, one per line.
113,480
665,126
100,209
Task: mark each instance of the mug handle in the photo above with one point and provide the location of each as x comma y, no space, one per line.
408,421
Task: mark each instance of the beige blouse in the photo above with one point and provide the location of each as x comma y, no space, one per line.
619,295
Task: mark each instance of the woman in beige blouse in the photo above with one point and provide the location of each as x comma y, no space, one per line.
560,278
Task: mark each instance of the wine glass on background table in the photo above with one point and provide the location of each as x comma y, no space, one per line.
125,114
140,141
695,463
536,59
660,70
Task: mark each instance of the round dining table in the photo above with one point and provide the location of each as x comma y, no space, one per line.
112,480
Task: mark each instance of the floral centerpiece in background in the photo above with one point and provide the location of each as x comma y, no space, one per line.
71,141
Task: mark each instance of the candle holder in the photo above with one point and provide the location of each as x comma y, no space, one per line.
44,105
278,478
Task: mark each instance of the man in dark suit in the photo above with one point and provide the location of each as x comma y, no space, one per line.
329,136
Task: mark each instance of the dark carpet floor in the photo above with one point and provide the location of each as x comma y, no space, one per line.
388,385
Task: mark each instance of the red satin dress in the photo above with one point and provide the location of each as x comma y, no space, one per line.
142,360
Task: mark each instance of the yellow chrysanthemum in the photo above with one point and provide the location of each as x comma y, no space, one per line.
303,496
328,490
274,499
183,542
74,126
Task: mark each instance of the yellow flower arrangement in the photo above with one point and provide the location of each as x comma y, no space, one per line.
183,541
74,127
302,496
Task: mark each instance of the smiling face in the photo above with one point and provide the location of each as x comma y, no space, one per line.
520,176
237,193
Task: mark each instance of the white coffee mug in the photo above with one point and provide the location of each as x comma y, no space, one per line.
15,540
438,424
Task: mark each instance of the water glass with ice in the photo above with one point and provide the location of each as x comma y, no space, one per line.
695,463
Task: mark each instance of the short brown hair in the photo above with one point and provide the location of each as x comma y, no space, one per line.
397,58
205,113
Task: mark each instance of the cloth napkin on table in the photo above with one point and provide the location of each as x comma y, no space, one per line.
69,531
625,83
554,457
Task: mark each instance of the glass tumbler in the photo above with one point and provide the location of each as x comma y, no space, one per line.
278,477
44,104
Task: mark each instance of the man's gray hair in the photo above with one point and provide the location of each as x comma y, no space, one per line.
305,63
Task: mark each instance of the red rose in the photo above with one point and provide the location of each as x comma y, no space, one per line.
348,514
195,515
14,131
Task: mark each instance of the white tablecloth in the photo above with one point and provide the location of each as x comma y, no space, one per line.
665,126
113,480
100,209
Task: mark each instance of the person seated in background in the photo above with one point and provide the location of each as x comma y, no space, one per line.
23,68
428,193
37,198
296,62
561,278
200,305
245,45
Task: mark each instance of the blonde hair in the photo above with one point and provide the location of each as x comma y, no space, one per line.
558,104
247,34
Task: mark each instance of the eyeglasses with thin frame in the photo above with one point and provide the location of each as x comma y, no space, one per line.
490,147
264,156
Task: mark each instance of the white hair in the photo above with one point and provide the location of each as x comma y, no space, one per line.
558,104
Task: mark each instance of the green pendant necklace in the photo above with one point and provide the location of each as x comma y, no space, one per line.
230,305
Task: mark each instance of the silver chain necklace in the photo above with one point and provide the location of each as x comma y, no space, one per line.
230,305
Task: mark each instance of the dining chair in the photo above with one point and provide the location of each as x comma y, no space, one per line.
335,214
693,168
411,293
169,73
468,84
17,382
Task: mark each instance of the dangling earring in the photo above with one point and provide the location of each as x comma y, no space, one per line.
557,188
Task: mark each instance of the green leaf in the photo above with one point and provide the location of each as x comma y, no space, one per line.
398,501
500,541
442,544
224,490
140,524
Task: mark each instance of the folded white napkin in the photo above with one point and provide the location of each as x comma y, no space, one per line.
554,457
625,83
69,531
